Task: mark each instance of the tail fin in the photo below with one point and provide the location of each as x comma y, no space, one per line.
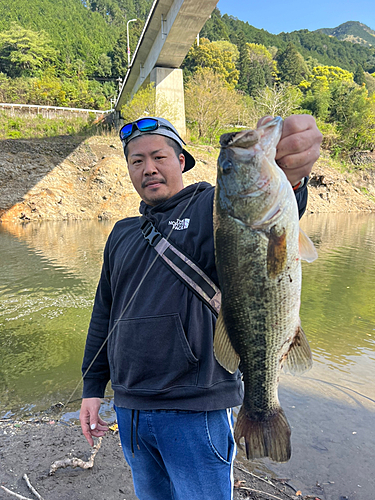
268,438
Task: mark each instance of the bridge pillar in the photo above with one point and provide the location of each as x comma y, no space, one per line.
170,103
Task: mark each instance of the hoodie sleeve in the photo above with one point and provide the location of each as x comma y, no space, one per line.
301,196
95,367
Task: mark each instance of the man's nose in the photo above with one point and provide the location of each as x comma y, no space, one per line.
150,167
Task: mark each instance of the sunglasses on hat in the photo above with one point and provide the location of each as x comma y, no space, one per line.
144,125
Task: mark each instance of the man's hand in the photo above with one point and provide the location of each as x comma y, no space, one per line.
92,425
299,146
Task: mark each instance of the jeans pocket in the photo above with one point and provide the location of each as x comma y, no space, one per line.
220,434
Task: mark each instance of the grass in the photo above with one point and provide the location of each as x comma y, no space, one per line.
29,127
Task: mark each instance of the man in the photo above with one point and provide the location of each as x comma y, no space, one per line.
153,337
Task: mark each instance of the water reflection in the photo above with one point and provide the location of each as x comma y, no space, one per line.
338,306
48,275
331,409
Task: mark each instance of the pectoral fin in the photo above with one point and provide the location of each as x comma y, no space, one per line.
223,349
306,247
299,358
276,252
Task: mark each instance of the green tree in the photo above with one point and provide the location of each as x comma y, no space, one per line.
370,83
256,79
226,46
24,52
318,89
359,75
104,66
213,56
318,98
215,28
260,53
279,100
211,103
291,65
354,114
243,63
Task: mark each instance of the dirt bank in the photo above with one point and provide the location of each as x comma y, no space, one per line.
71,178
31,448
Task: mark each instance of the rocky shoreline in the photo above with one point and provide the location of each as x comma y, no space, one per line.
72,178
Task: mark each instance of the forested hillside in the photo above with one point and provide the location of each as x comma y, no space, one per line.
78,30
72,52
66,52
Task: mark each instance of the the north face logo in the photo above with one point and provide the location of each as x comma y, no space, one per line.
179,225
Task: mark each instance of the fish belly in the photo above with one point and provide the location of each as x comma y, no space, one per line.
260,310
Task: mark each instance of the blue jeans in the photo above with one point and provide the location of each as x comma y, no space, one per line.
179,455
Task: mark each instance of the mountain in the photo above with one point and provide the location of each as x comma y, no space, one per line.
94,31
352,31
312,45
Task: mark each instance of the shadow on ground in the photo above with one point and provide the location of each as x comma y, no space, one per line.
24,162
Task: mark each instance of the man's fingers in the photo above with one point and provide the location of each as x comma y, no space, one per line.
100,427
92,425
299,146
98,433
298,159
87,433
306,142
294,124
104,424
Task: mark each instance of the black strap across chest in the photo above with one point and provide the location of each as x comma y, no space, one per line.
183,267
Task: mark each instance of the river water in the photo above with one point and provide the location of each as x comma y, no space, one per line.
48,276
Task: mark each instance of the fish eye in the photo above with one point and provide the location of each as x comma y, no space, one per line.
227,166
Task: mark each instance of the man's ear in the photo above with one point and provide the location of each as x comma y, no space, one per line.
182,161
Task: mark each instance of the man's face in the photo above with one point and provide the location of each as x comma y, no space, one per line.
154,169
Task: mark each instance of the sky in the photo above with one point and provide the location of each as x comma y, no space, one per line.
276,16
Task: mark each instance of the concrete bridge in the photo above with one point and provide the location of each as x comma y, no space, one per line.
169,32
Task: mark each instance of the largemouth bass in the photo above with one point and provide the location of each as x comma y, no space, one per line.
258,251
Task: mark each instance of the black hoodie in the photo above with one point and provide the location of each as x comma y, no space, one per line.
159,353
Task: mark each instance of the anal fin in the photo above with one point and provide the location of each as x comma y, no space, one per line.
223,349
307,249
299,357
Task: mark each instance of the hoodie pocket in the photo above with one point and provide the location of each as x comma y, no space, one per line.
151,354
